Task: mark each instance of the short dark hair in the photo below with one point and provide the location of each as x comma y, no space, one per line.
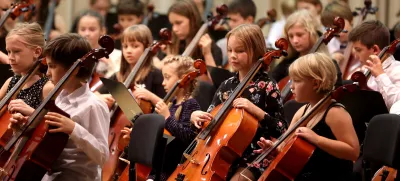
66,49
371,33
245,8
130,7
333,9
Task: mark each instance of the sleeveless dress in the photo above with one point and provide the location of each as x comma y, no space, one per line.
322,165
32,95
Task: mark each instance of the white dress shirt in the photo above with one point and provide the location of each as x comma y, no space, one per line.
276,31
388,83
87,147
395,109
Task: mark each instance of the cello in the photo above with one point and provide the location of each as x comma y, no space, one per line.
35,149
271,17
226,136
362,77
142,172
212,21
118,119
349,65
285,83
25,6
39,67
49,20
385,174
295,149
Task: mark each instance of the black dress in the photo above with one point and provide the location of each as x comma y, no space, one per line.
322,165
32,96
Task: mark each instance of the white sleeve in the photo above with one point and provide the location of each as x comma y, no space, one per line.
94,140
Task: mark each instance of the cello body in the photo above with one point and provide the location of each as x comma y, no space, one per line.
212,157
40,151
385,174
289,162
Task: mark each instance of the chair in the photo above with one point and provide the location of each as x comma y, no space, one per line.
147,144
382,141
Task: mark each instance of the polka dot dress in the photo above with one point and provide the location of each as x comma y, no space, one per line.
32,95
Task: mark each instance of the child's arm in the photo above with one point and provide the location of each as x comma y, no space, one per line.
346,146
92,140
389,87
181,128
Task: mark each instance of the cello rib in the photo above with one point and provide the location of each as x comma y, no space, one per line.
232,138
283,167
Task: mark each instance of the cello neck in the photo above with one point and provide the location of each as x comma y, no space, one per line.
132,75
192,45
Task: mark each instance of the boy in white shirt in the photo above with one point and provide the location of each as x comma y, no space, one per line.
87,148
369,38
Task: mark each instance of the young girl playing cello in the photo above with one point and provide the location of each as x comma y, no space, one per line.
331,130
87,147
185,19
177,113
135,40
261,98
24,45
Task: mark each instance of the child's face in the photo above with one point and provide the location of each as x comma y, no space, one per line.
132,51
303,89
170,76
54,71
362,52
299,38
314,10
89,27
128,20
235,19
101,6
344,37
180,25
237,56
20,55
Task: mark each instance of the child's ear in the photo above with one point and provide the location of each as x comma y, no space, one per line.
37,52
316,84
250,19
140,18
376,49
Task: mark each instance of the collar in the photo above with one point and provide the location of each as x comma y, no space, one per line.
260,73
73,97
386,64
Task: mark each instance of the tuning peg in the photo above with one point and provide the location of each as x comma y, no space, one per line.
345,31
284,53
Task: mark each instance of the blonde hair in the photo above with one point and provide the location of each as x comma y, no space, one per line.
306,20
184,65
140,33
252,39
318,66
31,34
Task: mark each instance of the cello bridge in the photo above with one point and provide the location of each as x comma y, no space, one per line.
191,159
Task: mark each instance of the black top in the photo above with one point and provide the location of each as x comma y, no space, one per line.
264,93
282,70
152,82
183,132
322,165
32,95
